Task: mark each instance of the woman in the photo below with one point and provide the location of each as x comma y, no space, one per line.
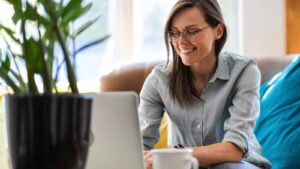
211,97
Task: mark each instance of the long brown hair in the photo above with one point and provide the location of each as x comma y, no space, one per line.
181,84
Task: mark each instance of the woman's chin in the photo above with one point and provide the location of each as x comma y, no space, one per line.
187,62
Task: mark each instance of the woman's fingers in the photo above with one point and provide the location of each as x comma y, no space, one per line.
148,159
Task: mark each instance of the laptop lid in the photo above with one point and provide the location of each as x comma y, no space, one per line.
117,142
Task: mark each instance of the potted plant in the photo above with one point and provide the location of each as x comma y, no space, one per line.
47,129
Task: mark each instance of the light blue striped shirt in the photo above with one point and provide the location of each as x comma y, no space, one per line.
226,111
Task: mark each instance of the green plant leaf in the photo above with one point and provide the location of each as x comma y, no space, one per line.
48,35
30,13
6,72
85,26
41,1
6,64
26,53
49,6
76,14
70,8
18,11
90,44
10,82
33,56
10,33
6,29
16,17
50,51
17,5
53,23
22,84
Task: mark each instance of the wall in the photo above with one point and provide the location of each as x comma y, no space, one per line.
293,26
121,28
232,11
257,28
263,27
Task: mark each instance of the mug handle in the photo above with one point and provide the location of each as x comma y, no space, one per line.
194,162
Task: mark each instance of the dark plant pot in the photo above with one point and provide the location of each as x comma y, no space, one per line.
48,131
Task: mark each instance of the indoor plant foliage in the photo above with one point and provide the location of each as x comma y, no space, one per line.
45,129
43,34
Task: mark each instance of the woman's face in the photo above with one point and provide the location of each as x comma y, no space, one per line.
197,43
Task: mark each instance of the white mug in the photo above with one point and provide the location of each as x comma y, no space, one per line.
173,159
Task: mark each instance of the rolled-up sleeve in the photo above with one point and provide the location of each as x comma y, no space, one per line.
150,111
245,108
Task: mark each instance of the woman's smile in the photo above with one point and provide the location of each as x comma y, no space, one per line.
187,51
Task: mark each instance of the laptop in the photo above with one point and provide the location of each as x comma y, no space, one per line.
117,142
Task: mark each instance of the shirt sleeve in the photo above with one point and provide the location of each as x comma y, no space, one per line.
150,111
245,108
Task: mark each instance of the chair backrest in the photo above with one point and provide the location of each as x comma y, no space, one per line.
130,77
269,66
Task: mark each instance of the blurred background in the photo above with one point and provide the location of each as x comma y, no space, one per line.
256,28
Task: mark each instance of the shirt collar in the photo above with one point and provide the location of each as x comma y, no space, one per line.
222,71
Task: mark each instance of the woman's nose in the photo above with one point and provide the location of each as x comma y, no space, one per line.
182,39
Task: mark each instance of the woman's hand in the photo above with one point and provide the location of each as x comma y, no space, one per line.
148,159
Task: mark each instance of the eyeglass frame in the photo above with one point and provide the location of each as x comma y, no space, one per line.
186,35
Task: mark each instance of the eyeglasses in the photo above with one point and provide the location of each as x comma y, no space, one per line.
189,34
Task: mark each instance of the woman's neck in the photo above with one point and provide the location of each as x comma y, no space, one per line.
204,70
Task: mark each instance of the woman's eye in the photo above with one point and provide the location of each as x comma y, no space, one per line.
192,32
175,34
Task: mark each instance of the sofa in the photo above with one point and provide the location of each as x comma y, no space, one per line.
130,77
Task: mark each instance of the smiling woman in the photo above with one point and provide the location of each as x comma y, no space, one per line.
208,96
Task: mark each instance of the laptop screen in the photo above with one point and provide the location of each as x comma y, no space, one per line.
117,142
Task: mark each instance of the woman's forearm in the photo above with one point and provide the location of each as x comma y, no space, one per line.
217,153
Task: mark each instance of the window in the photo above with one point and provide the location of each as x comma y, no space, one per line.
149,22
88,61
5,17
141,37
232,12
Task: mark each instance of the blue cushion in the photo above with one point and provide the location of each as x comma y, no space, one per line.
278,127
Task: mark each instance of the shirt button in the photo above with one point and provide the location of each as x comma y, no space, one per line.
198,126
145,122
